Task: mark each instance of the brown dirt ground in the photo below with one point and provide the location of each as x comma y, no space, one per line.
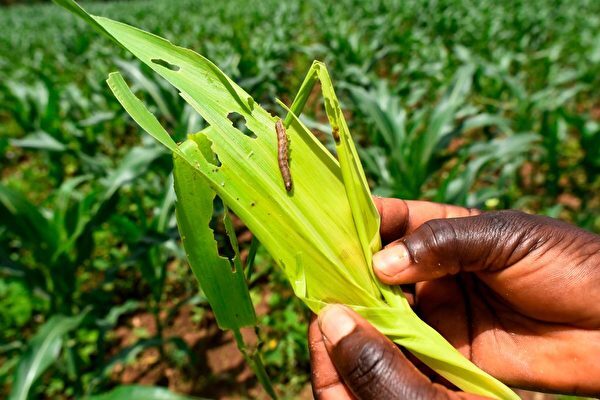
218,371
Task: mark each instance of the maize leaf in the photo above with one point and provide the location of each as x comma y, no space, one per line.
221,280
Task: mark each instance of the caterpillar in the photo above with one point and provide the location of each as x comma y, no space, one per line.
282,155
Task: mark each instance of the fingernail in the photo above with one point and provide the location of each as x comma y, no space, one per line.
392,260
336,322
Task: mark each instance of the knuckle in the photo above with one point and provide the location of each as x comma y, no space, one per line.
509,219
513,235
369,365
434,243
372,368
440,233
378,375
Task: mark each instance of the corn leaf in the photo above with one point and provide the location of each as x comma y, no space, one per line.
140,392
364,212
221,280
43,350
23,218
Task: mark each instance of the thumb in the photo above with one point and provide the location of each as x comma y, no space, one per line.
370,365
490,241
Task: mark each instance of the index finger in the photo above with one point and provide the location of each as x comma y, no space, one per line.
401,217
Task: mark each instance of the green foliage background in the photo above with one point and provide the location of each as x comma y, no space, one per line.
487,104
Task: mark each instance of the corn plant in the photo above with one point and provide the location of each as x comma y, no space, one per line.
302,227
61,241
406,145
535,65
410,147
165,99
496,161
140,392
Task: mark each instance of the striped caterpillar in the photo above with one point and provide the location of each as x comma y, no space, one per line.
282,155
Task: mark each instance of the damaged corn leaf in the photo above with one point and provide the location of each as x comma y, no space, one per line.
222,280
324,231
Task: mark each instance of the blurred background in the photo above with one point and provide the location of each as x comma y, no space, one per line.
481,103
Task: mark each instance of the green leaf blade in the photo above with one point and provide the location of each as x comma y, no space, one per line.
138,111
141,392
224,284
43,350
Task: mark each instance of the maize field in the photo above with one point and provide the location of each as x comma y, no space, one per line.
484,104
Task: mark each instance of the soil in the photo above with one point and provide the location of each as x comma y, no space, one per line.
218,370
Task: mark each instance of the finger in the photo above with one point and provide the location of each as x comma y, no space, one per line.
370,365
394,216
401,217
326,382
441,247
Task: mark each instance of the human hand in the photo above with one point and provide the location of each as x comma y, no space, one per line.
350,359
517,294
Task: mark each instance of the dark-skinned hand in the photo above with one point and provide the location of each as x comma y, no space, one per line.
517,294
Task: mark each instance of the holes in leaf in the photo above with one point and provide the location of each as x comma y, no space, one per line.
166,64
239,122
216,160
206,147
218,226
